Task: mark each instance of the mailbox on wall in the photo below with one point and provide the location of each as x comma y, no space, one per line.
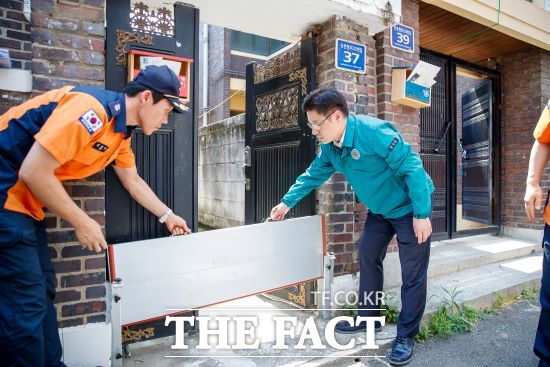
181,66
408,93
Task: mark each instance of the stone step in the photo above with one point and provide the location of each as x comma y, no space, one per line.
451,256
479,286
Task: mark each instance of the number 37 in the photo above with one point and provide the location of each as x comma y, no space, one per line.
349,55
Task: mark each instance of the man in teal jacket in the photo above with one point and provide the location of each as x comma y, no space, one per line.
388,177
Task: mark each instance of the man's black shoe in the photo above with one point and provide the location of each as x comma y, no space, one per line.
402,351
343,327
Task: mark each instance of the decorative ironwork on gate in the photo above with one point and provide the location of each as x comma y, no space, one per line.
277,109
122,40
279,65
300,75
156,21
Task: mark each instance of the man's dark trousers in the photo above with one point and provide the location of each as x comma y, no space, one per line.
414,260
542,340
28,323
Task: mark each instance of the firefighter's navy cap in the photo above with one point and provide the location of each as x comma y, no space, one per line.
164,81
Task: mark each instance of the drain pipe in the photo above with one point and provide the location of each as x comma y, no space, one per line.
27,9
205,75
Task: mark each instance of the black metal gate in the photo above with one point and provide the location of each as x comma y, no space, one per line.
279,145
477,152
435,132
166,160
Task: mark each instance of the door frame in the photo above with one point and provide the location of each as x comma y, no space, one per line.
495,77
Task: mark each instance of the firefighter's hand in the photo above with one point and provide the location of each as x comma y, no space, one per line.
279,212
533,200
177,225
89,234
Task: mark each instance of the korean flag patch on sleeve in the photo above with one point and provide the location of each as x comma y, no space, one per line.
91,121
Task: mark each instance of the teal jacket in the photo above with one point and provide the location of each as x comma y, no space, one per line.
386,175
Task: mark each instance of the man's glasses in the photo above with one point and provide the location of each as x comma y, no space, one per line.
313,126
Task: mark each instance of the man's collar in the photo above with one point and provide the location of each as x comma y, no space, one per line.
341,142
349,132
118,111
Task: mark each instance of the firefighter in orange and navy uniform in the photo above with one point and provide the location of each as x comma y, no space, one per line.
65,134
540,154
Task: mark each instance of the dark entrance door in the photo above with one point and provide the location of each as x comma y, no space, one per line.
435,128
166,160
279,145
477,154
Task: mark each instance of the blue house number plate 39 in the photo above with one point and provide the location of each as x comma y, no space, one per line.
350,56
402,38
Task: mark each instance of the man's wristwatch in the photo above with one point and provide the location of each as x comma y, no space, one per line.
166,215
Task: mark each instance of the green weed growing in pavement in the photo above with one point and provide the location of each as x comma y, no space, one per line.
423,334
499,301
391,312
528,294
350,310
451,318
450,299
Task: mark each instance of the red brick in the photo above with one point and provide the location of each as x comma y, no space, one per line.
10,43
69,281
79,42
96,318
83,308
67,266
75,251
23,36
55,54
16,15
86,190
10,24
67,296
95,292
96,263
71,322
61,237
84,13
42,20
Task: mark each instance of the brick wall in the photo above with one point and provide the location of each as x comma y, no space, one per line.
336,199
525,91
406,119
68,44
15,35
218,83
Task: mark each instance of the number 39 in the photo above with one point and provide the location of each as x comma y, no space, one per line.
403,38
348,56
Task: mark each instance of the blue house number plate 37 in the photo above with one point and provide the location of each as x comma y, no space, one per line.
350,56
